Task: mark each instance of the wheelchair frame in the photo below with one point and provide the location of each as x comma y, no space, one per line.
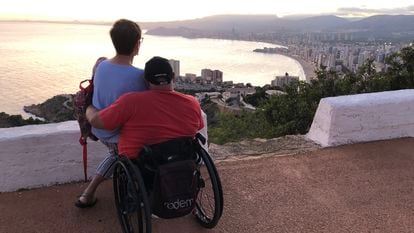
132,200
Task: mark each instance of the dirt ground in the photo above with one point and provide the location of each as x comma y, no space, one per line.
286,145
365,187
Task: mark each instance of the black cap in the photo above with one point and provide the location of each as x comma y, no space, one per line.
158,71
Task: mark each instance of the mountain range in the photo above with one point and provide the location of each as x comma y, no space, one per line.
384,26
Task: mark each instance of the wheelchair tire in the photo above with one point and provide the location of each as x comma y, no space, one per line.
131,198
206,212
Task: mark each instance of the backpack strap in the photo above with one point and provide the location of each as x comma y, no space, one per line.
89,84
83,142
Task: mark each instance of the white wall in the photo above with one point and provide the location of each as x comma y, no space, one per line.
40,155
364,117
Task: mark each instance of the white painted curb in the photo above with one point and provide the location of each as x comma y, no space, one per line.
42,155
364,117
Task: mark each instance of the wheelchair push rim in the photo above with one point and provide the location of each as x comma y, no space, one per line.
209,203
131,199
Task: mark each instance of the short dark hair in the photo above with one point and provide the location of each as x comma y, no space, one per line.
158,71
125,34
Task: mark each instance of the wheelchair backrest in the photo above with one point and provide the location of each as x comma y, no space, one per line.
176,180
170,151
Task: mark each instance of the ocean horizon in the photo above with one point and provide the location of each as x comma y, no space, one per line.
41,60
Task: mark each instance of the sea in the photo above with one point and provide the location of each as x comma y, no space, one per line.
39,60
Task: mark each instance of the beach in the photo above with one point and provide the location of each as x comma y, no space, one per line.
308,67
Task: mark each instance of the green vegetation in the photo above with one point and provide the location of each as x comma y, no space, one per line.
55,109
293,112
7,120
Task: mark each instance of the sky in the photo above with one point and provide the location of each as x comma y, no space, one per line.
164,10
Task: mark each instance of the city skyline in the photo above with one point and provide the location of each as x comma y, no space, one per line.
157,10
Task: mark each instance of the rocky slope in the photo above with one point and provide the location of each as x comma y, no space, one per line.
56,109
7,121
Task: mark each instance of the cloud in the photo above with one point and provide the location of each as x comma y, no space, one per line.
355,11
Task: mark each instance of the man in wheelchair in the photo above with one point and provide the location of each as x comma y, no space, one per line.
158,145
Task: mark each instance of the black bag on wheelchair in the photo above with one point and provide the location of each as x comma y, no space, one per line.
176,181
175,189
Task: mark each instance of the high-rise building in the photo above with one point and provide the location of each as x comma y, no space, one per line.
361,59
217,76
331,61
281,81
175,64
206,74
212,76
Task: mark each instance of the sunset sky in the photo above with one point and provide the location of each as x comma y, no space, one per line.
157,10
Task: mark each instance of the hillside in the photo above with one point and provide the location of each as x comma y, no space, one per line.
251,23
397,26
384,26
56,109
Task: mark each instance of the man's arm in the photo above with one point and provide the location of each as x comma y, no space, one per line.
92,114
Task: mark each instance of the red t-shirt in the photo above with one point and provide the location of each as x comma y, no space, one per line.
151,117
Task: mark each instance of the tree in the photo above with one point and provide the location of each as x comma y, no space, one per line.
293,113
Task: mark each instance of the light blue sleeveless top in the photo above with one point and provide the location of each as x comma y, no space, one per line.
110,82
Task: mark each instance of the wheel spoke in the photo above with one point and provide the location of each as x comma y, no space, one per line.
130,199
209,200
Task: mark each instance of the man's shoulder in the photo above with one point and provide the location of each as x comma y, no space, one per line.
187,98
133,94
190,97
171,95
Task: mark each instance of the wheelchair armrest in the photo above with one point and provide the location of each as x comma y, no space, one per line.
146,150
146,154
201,138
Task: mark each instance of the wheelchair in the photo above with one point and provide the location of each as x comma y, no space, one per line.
133,179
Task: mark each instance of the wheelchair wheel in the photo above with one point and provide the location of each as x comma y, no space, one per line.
209,203
131,198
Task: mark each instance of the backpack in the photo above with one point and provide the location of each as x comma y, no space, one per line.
81,100
175,181
176,186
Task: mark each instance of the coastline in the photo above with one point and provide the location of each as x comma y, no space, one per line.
21,96
308,67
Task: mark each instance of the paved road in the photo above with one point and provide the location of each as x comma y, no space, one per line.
355,188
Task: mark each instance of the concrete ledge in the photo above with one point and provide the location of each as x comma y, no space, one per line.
364,117
41,155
